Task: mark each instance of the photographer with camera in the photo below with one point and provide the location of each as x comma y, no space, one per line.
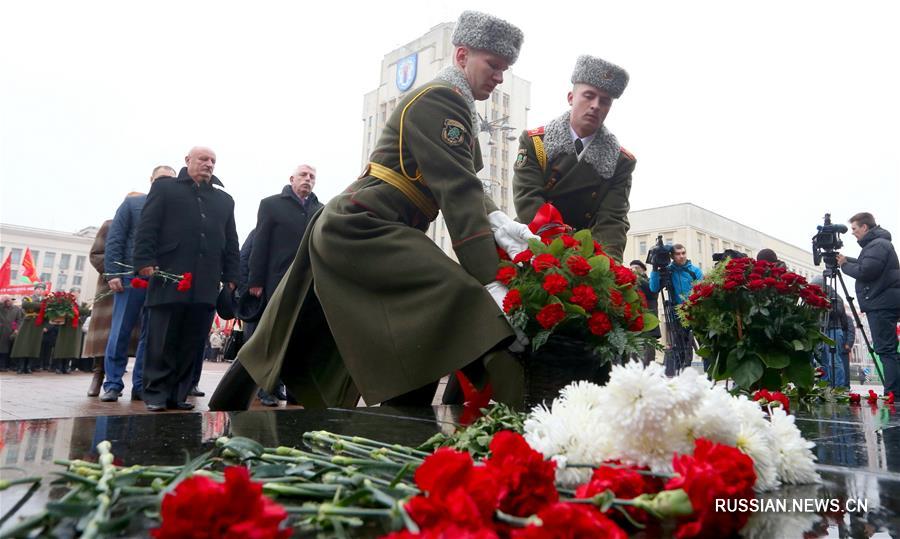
677,278
877,274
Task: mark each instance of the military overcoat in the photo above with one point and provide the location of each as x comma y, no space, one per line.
27,343
370,304
590,192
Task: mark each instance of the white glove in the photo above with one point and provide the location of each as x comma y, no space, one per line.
498,292
511,236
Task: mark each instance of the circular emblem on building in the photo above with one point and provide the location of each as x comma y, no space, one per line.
406,72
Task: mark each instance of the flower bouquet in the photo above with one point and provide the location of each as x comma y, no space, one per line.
757,323
58,307
579,308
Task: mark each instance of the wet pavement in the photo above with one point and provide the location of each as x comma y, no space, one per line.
858,449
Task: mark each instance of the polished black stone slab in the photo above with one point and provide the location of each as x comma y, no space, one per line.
858,450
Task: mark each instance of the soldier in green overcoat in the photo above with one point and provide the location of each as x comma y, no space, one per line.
576,164
27,344
371,305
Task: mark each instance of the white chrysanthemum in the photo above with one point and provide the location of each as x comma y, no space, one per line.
796,461
714,419
688,388
754,439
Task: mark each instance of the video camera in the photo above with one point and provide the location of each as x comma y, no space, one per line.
660,255
728,253
827,241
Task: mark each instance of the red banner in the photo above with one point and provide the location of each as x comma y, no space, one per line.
23,290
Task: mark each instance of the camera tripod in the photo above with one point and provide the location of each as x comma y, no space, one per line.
677,336
831,276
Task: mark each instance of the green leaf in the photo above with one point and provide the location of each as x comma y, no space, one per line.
539,340
557,247
798,345
599,264
244,447
651,322
537,247
775,360
702,351
574,309
732,361
800,372
630,295
748,372
585,238
771,379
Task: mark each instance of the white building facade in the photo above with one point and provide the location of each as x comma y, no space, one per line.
60,258
504,115
703,233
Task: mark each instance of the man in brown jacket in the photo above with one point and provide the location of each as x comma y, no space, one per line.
576,164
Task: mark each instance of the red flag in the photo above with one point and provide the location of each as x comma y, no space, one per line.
28,269
6,271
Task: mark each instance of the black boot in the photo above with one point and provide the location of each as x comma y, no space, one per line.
97,380
4,362
26,365
64,366
235,390
16,365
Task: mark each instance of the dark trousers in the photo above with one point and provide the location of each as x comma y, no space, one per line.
175,341
680,350
198,365
883,323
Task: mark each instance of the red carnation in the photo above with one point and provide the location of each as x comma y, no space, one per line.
550,315
624,275
505,274
137,282
449,531
502,254
890,398
615,297
524,256
570,242
756,284
855,398
584,296
571,521
201,507
873,397
626,483
637,324
578,265
598,249
713,472
185,283
555,283
544,262
599,324
773,396
527,481
512,300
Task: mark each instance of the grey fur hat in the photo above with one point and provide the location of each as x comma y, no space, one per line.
601,74
488,33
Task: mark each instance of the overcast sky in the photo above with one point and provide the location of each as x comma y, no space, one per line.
768,112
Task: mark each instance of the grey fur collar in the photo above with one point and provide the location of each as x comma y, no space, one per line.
602,154
453,76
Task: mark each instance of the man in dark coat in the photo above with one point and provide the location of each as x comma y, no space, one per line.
280,224
187,226
10,320
877,274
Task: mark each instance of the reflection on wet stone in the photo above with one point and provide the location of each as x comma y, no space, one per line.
858,450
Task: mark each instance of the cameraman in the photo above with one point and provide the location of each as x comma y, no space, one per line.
684,275
877,274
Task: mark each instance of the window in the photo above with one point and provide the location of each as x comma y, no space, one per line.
493,172
15,256
79,263
506,101
503,173
76,281
62,281
49,260
34,256
64,261
45,277
495,97
383,112
642,247
393,104
13,275
699,246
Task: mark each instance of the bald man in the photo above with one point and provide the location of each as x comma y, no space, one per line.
187,226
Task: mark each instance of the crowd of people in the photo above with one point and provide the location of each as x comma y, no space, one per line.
352,299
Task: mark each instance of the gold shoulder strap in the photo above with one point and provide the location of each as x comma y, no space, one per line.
539,150
402,115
